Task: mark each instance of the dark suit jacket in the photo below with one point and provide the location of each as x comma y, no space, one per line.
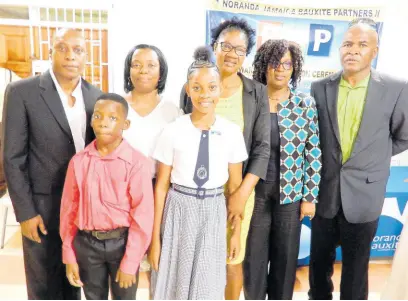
257,125
38,145
359,184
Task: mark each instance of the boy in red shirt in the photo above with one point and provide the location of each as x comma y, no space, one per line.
107,208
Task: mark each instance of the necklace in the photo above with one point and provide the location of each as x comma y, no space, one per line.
273,102
279,99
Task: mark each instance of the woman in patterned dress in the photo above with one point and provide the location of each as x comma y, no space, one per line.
292,182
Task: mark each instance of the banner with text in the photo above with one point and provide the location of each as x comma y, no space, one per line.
319,31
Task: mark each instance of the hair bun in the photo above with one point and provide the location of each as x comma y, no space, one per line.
204,53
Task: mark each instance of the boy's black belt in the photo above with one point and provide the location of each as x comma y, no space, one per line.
104,235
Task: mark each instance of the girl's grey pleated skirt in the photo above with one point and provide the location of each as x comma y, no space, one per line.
194,249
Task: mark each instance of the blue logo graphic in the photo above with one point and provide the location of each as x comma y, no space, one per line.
387,237
320,39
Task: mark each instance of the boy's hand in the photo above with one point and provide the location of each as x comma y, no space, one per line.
72,271
154,254
125,280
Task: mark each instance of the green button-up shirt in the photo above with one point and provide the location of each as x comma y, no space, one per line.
350,107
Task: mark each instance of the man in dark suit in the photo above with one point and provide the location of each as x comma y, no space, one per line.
46,121
363,118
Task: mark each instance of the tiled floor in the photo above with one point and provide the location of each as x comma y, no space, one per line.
12,280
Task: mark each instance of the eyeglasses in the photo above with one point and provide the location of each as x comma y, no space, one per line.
64,49
286,65
239,50
139,66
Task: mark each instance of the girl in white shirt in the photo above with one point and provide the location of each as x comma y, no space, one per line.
197,154
144,81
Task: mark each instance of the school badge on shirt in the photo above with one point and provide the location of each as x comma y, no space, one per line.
202,172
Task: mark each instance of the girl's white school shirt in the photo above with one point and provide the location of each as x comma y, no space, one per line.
144,131
178,147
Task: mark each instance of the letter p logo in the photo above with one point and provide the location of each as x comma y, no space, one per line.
320,39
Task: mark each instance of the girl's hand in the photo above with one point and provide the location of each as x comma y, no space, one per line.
154,254
307,209
235,240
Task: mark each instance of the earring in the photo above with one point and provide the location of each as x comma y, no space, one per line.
129,82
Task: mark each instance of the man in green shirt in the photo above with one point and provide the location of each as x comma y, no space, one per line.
363,118
350,106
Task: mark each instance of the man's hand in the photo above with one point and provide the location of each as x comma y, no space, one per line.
125,280
72,271
29,228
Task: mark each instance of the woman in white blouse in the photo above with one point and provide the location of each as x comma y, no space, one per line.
144,81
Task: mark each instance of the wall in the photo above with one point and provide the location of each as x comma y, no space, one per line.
162,24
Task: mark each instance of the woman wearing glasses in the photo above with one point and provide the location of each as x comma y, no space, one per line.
290,190
145,77
243,101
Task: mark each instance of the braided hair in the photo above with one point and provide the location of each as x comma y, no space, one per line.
203,58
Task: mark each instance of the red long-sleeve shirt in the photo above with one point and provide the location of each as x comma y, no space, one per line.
105,193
